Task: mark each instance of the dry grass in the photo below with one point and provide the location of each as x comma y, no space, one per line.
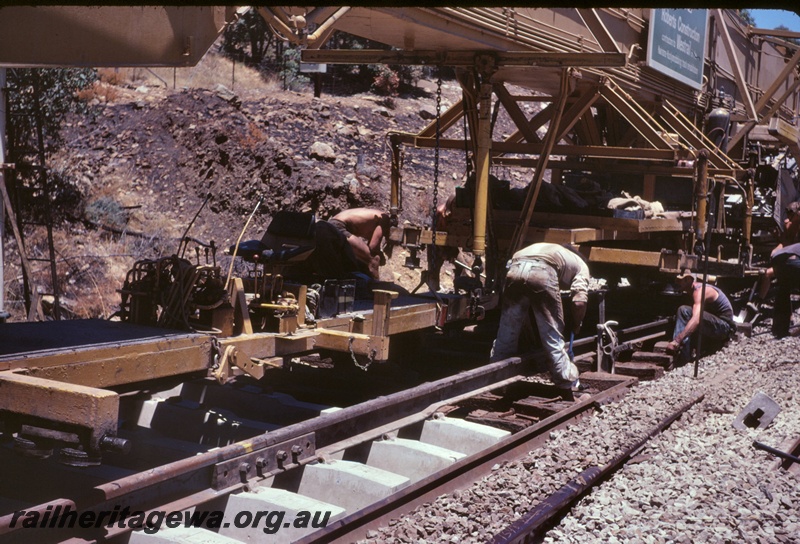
212,70
86,262
102,91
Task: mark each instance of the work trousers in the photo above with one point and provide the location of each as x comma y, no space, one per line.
711,326
532,286
787,277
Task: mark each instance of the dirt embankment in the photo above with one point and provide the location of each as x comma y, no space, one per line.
146,162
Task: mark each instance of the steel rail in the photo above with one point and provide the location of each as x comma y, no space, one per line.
151,488
462,473
528,526
191,482
468,470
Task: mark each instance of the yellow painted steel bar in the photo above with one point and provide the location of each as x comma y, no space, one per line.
66,403
482,161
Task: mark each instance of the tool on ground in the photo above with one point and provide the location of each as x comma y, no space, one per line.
777,453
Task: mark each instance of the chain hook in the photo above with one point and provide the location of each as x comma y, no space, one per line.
370,359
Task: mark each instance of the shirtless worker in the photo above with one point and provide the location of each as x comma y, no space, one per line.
365,229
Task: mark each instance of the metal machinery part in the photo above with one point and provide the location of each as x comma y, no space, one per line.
603,110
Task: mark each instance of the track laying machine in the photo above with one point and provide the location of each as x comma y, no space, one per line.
689,109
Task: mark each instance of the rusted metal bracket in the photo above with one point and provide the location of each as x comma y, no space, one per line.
231,358
264,462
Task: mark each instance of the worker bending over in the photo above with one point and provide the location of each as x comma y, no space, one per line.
365,230
534,282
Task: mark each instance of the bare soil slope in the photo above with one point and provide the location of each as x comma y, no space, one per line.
146,161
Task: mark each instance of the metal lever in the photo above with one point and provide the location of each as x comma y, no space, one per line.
606,345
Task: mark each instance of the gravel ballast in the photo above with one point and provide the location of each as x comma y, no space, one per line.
701,480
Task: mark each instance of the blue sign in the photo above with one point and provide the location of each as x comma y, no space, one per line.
676,44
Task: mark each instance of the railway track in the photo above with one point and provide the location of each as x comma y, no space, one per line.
262,463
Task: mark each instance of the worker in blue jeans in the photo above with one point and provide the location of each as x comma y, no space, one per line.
534,282
786,264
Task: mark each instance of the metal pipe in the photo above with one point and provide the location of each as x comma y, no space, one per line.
700,192
325,28
395,202
278,26
777,453
530,523
703,155
482,162
750,199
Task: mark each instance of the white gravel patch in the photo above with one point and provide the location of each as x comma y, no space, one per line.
699,481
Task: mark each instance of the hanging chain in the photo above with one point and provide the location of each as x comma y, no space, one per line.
468,167
436,167
370,358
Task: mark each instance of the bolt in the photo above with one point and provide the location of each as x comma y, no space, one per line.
260,463
296,450
115,444
244,468
281,455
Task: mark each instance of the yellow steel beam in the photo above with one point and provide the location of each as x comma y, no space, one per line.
121,363
535,123
644,123
667,154
733,58
604,38
680,124
576,111
782,77
483,163
375,347
649,259
516,114
462,58
64,403
536,183
446,120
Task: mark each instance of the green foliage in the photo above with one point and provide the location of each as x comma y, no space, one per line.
248,39
57,88
107,212
791,40
290,74
46,94
747,17
386,81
